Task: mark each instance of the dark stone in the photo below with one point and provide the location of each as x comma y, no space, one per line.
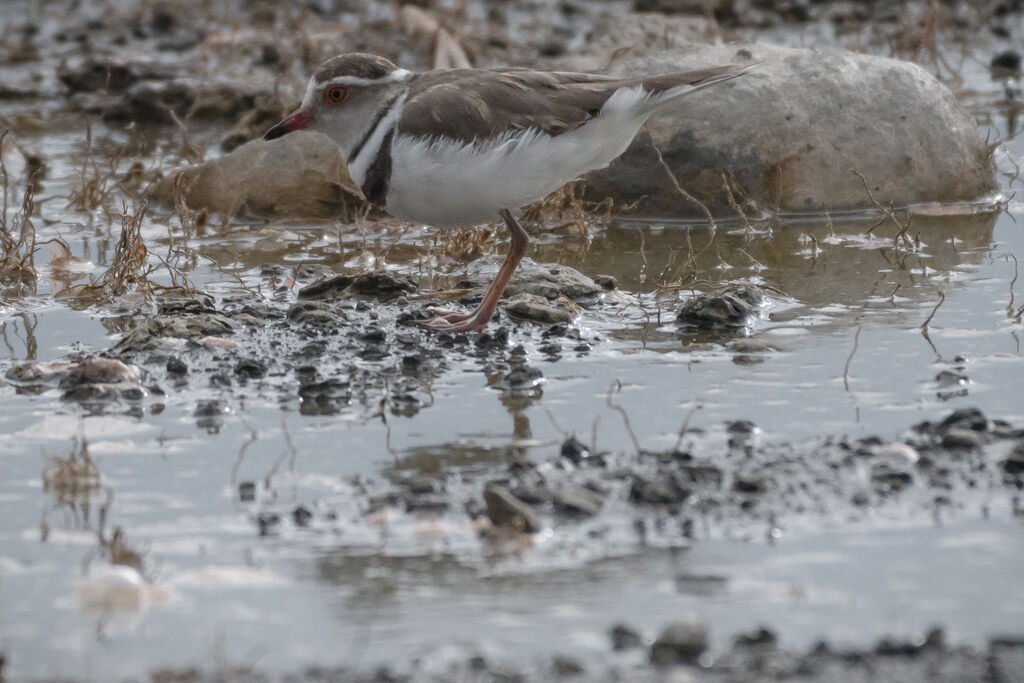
329,288
269,523
247,491
250,368
382,284
606,282
1008,60
186,306
302,516
965,418
162,21
624,638
680,643
1014,463
176,366
762,637
734,308
962,439
373,334
659,490
741,427
498,339
97,74
563,665
748,483
574,450
885,479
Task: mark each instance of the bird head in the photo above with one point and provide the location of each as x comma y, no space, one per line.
345,99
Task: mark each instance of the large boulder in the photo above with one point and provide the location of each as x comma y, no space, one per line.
792,131
297,176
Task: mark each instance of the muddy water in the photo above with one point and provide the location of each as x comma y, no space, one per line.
841,353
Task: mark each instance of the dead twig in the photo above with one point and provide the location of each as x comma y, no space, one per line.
942,298
613,389
846,369
888,213
683,193
685,427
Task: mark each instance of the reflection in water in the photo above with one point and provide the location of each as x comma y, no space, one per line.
18,335
437,458
817,261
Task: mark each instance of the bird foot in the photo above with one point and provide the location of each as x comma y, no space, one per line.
444,314
443,325
455,323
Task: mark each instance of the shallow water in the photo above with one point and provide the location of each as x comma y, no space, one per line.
848,357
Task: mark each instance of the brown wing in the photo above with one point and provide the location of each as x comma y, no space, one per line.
476,104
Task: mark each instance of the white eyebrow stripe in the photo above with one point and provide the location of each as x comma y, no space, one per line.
307,98
396,75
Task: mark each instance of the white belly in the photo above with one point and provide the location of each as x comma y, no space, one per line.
446,183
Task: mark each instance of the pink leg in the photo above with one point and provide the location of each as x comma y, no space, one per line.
477,320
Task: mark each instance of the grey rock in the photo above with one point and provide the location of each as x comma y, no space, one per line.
574,499
504,509
298,176
547,280
682,642
963,439
1014,463
966,418
148,335
379,284
889,479
624,638
565,666
790,132
658,490
733,308
536,308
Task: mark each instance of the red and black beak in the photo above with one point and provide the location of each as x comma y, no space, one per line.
296,121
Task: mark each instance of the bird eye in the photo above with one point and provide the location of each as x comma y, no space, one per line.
335,95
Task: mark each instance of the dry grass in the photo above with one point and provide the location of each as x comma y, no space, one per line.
130,269
74,477
17,234
96,184
564,211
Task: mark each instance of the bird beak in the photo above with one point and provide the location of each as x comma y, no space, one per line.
297,121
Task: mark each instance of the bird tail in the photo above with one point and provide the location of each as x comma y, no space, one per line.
663,90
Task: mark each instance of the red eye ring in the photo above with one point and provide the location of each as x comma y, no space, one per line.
335,95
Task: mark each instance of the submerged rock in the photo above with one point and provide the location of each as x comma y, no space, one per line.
734,308
789,133
375,284
155,331
93,378
298,176
552,280
538,309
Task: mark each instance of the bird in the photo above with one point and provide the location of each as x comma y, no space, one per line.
458,147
